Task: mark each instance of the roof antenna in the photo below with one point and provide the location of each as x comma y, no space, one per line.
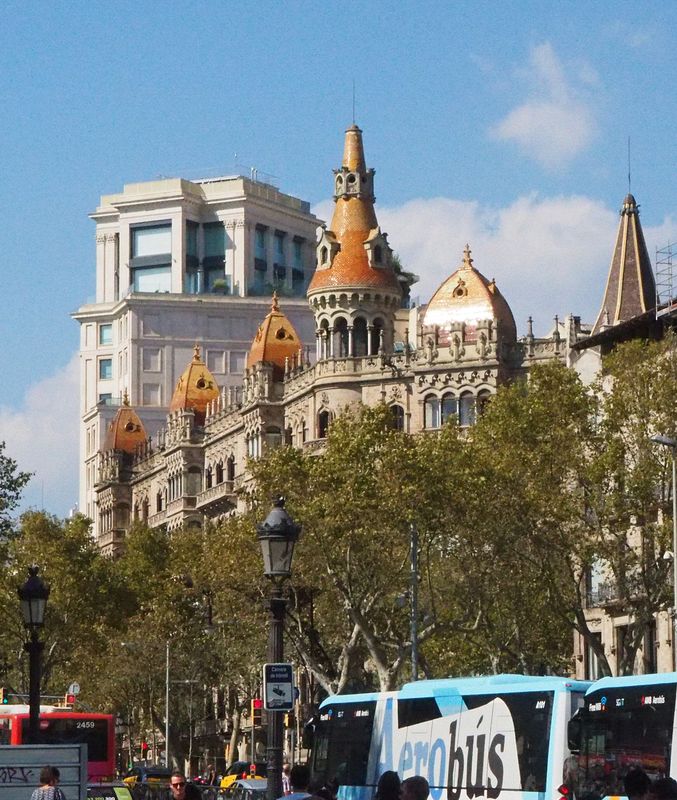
353,101
629,184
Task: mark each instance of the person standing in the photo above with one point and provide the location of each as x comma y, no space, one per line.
299,778
49,785
286,785
388,786
636,784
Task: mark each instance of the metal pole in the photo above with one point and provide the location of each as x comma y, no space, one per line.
673,450
275,718
167,706
34,649
414,603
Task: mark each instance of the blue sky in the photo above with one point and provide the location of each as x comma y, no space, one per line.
503,124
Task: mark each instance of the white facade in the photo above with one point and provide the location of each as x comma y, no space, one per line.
180,263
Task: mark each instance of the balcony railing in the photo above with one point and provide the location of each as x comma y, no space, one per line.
221,494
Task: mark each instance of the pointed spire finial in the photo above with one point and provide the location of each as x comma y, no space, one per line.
125,398
353,151
275,304
196,352
467,260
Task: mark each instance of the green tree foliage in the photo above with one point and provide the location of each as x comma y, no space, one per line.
12,481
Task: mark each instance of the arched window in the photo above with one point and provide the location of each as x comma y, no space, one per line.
466,415
483,400
360,336
378,254
230,468
397,417
449,408
158,501
323,420
432,412
136,512
341,338
219,473
208,477
144,510
273,438
376,335
324,255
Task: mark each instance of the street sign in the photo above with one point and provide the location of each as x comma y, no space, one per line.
278,687
74,688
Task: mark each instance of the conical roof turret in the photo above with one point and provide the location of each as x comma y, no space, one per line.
468,297
125,431
195,388
630,287
275,341
353,252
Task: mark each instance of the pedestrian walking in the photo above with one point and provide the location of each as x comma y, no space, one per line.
388,786
286,784
49,785
415,788
636,784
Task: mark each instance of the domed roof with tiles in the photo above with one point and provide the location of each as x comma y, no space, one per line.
275,340
468,297
353,224
195,388
125,431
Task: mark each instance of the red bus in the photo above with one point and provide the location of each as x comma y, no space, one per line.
62,726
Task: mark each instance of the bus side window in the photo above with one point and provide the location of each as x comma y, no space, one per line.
574,733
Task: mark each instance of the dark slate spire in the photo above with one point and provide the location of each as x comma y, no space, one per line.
630,287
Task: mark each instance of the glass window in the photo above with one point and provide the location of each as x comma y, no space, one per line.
467,410
432,412
152,279
237,362
151,241
106,333
260,242
214,239
449,408
279,247
298,254
105,369
397,417
191,239
192,281
105,398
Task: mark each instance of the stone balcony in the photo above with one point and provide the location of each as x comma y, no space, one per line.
216,499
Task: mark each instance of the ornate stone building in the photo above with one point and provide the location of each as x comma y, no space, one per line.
427,363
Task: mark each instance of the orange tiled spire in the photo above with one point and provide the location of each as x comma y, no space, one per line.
357,253
630,288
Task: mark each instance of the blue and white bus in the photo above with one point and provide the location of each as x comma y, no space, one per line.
625,722
502,737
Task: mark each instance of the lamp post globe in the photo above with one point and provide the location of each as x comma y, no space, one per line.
277,535
33,597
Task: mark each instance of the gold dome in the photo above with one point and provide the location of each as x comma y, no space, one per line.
275,340
125,430
195,388
468,297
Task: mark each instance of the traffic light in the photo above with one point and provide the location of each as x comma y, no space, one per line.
144,750
4,698
70,699
257,708
289,720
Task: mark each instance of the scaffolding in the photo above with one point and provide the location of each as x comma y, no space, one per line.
666,281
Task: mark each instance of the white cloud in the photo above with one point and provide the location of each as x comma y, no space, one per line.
549,255
42,436
555,123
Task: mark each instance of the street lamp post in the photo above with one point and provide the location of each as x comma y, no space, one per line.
667,441
277,536
167,703
33,596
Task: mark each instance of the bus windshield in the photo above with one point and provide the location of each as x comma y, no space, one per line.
624,727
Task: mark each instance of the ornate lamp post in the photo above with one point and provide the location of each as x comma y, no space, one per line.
33,596
277,536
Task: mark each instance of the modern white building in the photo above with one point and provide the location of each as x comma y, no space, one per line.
180,263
